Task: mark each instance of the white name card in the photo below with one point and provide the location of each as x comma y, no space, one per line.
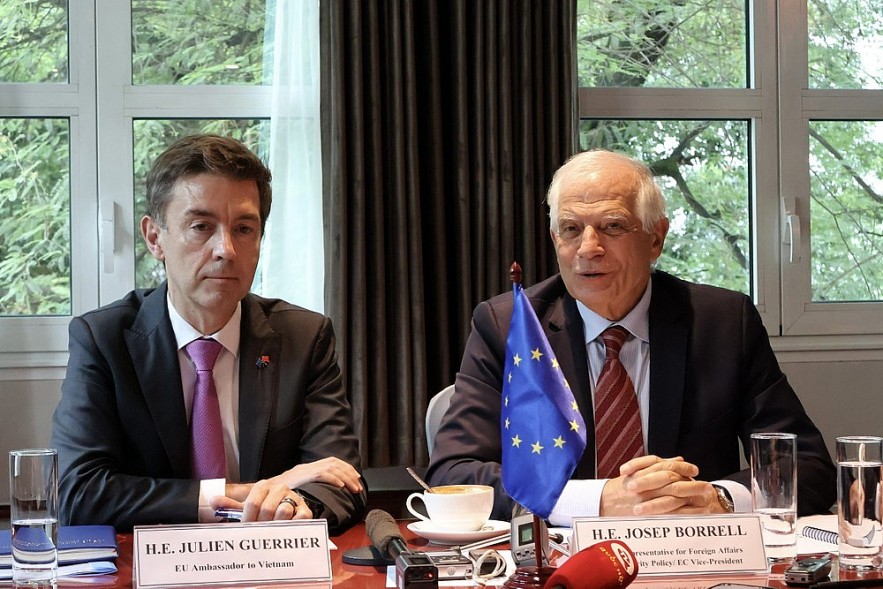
230,553
681,545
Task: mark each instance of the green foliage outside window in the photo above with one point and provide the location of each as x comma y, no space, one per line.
35,251
33,41
194,42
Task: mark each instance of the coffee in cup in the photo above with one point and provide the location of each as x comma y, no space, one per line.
463,508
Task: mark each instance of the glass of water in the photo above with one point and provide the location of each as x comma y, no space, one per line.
774,492
33,510
859,501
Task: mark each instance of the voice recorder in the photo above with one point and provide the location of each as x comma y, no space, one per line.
522,540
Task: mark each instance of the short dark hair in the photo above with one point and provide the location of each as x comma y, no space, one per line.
211,154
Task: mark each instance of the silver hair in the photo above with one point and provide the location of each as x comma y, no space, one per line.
585,166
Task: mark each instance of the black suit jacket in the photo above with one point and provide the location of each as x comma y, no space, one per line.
121,428
713,381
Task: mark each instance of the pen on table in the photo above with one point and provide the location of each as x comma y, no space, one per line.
230,514
553,539
486,542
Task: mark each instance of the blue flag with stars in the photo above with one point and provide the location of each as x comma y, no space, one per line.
544,434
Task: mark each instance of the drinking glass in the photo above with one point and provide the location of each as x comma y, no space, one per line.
33,510
774,492
860,533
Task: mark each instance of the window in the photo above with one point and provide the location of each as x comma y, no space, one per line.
90,93
763,122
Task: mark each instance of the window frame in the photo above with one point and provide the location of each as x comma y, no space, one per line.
120,103
756,104
40,342
778,110
800,105
101,103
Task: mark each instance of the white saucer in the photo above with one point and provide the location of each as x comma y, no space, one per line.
452,537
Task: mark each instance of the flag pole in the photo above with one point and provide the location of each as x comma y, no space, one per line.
529,577
515,278
538,543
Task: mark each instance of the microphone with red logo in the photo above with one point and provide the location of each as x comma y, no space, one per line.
605,565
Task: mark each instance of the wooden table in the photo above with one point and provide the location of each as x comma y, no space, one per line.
366,577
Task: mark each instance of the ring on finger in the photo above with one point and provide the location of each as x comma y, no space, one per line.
290,501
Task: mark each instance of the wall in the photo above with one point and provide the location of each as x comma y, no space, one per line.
841,397
26,408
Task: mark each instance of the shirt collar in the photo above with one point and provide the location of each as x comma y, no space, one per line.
185,333
637,321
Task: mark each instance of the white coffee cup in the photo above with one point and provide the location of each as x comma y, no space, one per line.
463,508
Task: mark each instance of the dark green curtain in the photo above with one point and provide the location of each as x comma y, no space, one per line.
442,124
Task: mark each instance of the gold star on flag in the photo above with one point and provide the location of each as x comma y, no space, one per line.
537,448
510,376
574,426
506,401
516,441
507,423
535,354
574,406
517,360
555,363
559,442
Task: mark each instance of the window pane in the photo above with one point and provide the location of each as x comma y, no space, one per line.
845,41
191,42
846,208
686,44
35,251
33,41
150,138
702,167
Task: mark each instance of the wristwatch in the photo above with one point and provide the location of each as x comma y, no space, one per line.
723,497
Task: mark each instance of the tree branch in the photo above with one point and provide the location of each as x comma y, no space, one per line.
848,168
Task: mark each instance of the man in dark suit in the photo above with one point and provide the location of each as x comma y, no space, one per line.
699,359
122,426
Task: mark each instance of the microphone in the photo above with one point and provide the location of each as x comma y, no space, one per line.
605,565
383,531
386,542
414,570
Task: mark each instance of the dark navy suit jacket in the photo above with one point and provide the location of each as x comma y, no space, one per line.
713,381
121,428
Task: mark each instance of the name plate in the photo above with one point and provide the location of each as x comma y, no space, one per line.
681,545
229,553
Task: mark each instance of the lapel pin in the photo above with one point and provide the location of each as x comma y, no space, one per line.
262,361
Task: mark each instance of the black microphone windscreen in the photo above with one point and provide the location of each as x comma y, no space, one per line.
382,529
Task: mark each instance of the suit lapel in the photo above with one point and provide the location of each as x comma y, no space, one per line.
259,364
152,345
669,334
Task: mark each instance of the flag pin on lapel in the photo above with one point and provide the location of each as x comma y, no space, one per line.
262,361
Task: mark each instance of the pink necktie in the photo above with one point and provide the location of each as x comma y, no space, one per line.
618,436
206,433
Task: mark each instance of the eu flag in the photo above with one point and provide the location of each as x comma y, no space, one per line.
544,434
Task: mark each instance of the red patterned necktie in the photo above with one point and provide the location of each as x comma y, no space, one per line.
618,435
206,432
